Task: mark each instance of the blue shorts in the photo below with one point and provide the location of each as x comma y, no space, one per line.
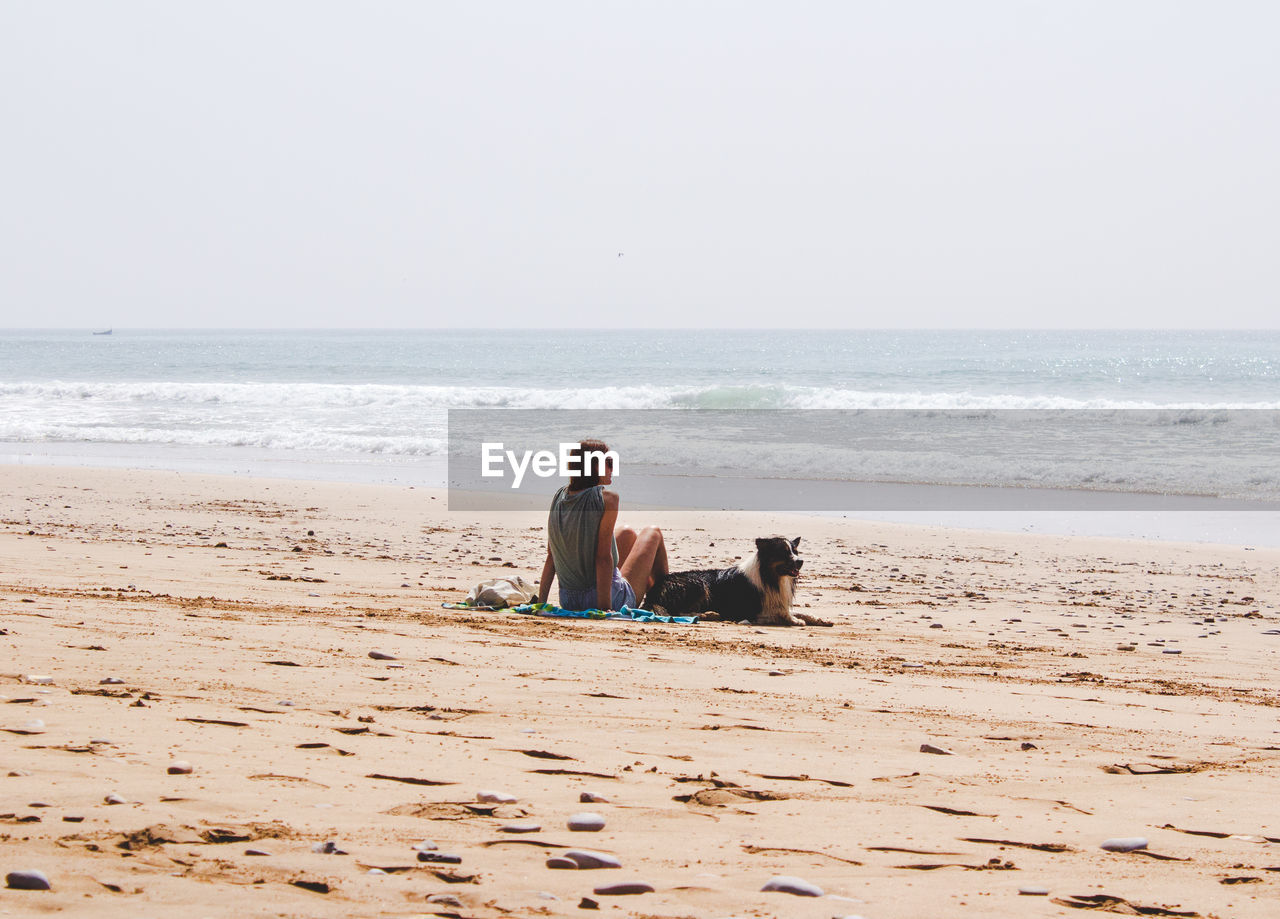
622,594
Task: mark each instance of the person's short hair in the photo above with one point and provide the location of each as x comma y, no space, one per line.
587,458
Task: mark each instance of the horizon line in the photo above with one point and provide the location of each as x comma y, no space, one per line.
576,328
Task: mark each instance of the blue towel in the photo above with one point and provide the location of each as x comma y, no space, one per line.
626,614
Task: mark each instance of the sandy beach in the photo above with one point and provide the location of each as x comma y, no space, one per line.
286,640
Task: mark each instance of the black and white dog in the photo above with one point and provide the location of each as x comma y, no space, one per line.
758,589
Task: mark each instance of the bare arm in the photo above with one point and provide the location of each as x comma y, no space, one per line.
604,552
548,575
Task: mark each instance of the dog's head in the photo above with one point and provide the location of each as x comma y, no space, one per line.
779,557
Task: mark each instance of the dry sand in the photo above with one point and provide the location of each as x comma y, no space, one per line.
727,754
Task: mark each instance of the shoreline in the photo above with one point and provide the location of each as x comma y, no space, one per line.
1257,528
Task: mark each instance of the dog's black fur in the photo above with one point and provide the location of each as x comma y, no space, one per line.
758,589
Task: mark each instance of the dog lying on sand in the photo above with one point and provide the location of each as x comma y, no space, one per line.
758,589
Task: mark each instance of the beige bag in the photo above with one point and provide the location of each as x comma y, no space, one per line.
502,592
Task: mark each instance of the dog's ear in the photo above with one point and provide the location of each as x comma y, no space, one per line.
795,544
760,544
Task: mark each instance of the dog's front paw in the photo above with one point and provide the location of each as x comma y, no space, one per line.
806,619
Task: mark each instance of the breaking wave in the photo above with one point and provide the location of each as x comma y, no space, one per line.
363,421
427,397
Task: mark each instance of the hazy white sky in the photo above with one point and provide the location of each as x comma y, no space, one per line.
405,164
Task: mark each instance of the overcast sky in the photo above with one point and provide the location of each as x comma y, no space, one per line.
866,164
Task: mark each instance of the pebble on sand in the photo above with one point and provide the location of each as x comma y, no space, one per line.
792,885
382,656
495,797
557,861
257,852
590,797
586,859
27,880
114,798
623,890
586,823
937,751
180,767
440,858
1033,891
526,826
1125,844
426,845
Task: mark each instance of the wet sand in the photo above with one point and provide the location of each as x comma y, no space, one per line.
151,618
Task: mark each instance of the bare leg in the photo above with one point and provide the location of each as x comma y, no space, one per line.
625,538
646,560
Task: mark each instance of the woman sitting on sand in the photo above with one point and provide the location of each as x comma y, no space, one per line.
600,567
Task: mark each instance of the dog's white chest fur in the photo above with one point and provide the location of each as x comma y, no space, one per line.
775,603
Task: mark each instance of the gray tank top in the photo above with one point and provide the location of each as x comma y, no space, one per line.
573,527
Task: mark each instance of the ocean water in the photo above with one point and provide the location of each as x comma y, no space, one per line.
372,405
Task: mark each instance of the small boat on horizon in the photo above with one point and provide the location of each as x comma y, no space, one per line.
103,332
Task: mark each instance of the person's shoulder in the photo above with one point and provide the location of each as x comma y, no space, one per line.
610,499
